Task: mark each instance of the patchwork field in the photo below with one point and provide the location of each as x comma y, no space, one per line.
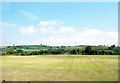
60,67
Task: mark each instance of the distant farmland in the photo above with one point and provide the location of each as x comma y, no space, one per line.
60,67
25,50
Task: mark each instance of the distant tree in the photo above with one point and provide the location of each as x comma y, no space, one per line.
78,51
19,51
83,52
3,53
88,50
111,47
116,50
27,48
101,52
73,51
11,50
50,47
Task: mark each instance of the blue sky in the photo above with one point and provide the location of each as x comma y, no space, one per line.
64,23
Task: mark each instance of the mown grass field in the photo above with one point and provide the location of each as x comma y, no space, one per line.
60,67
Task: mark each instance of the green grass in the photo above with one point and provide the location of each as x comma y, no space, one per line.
60,67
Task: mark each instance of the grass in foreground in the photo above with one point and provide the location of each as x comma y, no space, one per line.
64,68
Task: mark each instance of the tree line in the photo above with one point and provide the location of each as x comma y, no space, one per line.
112,50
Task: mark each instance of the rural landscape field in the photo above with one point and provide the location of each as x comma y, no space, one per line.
60,63
59,41
60,68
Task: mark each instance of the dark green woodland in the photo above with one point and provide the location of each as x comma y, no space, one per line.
57,50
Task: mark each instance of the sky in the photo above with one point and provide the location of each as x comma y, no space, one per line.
59,23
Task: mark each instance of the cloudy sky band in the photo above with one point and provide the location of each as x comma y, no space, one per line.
60,23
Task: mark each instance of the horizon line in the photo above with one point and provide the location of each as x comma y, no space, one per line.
56,45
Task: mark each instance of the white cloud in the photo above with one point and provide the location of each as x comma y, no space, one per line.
112,34
6,24
43,27
47,30
92,32
29,15
97,37
66,29
87,37
48,23
54,27
49,26
28,30
69,35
